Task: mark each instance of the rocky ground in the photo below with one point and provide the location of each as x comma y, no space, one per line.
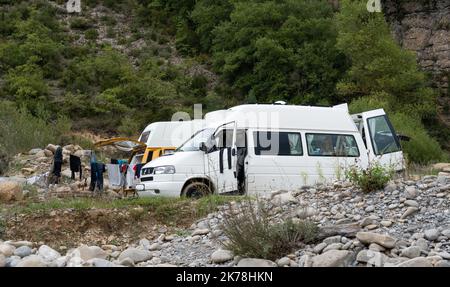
406,224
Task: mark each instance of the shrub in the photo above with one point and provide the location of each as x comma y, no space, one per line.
80,24
91,34
373,178
251,233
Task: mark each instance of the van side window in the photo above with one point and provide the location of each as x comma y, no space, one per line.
278,143
224,138
144,136
332,145
382,135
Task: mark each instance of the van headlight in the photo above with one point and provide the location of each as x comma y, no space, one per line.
167,169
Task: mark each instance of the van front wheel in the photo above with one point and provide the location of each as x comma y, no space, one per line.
196,190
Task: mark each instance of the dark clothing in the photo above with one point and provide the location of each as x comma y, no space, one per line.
137,173
114,161
75,166
57,163
97,170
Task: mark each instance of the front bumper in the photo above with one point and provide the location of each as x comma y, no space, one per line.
159,188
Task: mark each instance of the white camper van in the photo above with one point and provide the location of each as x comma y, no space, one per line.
258,148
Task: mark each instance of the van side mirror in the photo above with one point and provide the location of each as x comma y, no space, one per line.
202,147
403,137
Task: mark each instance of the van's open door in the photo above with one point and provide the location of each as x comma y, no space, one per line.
380,138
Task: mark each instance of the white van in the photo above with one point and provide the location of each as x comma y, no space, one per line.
259,148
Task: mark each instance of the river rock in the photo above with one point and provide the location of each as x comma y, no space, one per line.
23,251
98,262
90,252
32,261
255,262
416,262
221,256
381,239
202,231
412,203
432,234
333,258
410,210
411,252
6,249
410,192
136,255
48,254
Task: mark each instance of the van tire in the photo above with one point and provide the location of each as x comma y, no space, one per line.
196,189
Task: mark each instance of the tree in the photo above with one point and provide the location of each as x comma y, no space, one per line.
275,50
378,64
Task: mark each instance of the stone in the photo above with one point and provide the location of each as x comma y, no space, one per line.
221,256
410,192
333,258
319,247
255,262
432,234
332,239
200,231
283,199
333,246
390,187
305,212
98,262
442,263
7,249
381,239
371,257
409,211
285,261
23,251
422,244
27,171
2,260
155,246
386,223
376,247
32,261
446,233
136,255
51,147
412,203
34,151
20,243
48,254
411,252
145,243
127,262
90,252
416,262
367,221
370,208
48,153
10,191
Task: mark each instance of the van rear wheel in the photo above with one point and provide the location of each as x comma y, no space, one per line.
196,189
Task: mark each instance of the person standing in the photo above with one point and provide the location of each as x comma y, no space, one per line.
57,164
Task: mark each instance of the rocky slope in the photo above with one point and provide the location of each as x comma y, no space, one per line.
406,224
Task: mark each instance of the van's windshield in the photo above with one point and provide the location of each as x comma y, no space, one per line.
194,142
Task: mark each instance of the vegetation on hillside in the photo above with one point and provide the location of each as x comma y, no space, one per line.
116,74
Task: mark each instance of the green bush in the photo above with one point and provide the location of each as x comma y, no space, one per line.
251,233
79,23
21,131
371,179
91,34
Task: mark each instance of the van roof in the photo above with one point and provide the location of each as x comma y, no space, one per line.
171,134
335,118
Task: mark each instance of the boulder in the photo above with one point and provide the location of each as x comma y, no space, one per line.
255,262
51,147
380,239
48,254
221,256
2,260
333,258
10,191
23,251
32,261
27,171
200,231
48,153
34,151
7,249
90,252
411,252
374,258
283,198
136,255
416,262
410,192
432,234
